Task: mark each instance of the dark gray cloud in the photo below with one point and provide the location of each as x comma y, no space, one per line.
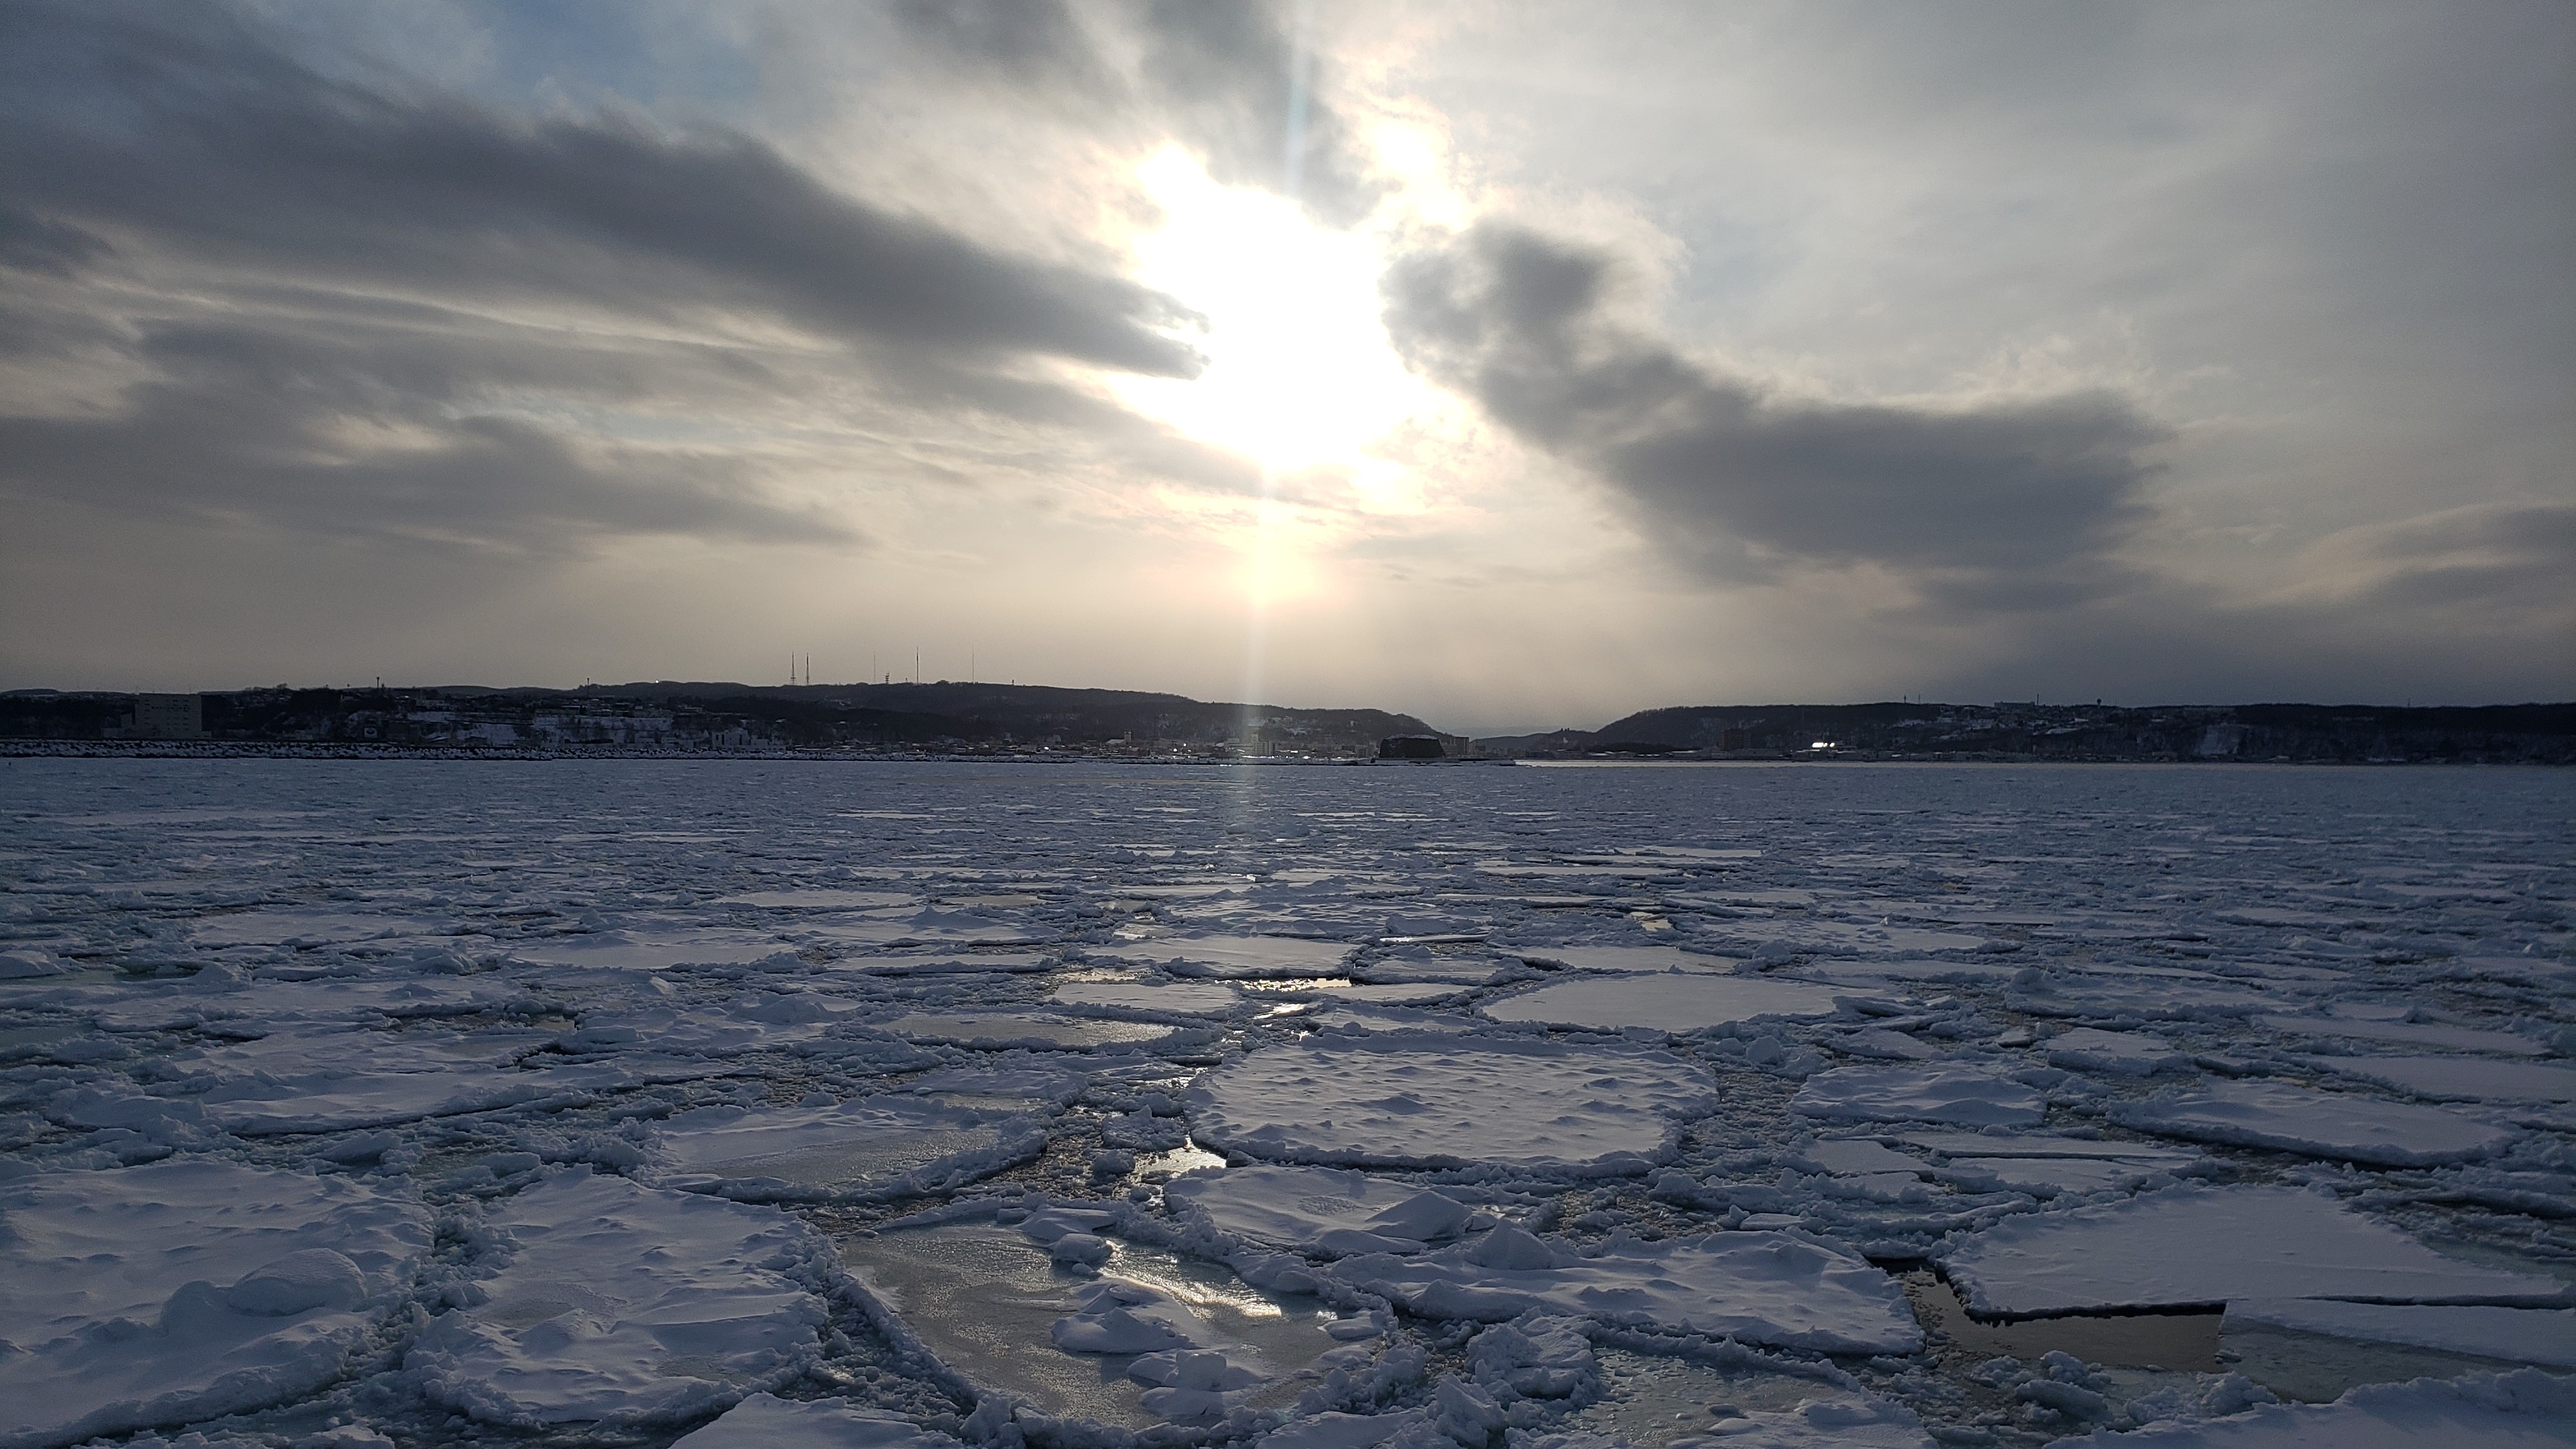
299,283
2004,506
1230,79
185,127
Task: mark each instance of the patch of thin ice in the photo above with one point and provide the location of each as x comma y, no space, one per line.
2190,1245
863,1145
1779,1289
1186,998
2460,1078
1657,959
1422,1099
2314,1124
1231,956
2544,1336
1674,1002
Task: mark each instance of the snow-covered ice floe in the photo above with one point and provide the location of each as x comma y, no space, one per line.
1779,1289
864,1147
2516,1335
1244,957
1674,1002
187,1289
2191,1245
1319,1211
624,1304
1409,1099
2314,1123
1963,1095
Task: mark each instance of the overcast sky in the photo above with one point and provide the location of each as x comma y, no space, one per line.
1514,365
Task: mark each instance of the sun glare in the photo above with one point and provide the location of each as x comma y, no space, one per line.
1300,376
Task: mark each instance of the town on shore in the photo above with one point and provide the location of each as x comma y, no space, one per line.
1043,722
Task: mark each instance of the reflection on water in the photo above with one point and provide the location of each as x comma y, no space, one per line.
983,1298
2184,1342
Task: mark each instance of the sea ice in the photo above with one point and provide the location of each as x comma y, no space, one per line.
1674,1002
997,1030
2515,1335
765,1421
863,1146
1319,1210
1421,1099
1186,998
186,1289
1960,1095
2314,1123
1656,959
1779,1289
2191,1245
2406,1033
1850,1422
2460,1078
624,1304
653,948
2524,1410
1231,957
2116,1053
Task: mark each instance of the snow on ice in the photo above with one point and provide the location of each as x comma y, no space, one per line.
1094,1106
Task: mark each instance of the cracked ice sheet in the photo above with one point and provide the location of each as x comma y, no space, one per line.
1674,1002
186,1289
834,1149
1423,1099
2190,1245
1318,1210
625,1304
1777,1289
2524,1410
2314,1123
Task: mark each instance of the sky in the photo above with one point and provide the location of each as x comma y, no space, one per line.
1512,365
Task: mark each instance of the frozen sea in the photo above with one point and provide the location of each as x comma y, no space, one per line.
817,1103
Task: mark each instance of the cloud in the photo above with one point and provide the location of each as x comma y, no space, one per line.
1232,81
2008,505
372,308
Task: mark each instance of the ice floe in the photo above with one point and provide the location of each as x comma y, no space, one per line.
2314,1123
1319,1210
838,1149
625,1304
187,1289
1961,1095
2525,1410
1673,1001
1778,1289
2189,1244
1415,1099
2516,1335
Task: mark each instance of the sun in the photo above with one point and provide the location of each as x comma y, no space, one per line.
1300,374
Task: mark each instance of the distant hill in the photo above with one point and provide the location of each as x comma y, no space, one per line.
2504,734
674,714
